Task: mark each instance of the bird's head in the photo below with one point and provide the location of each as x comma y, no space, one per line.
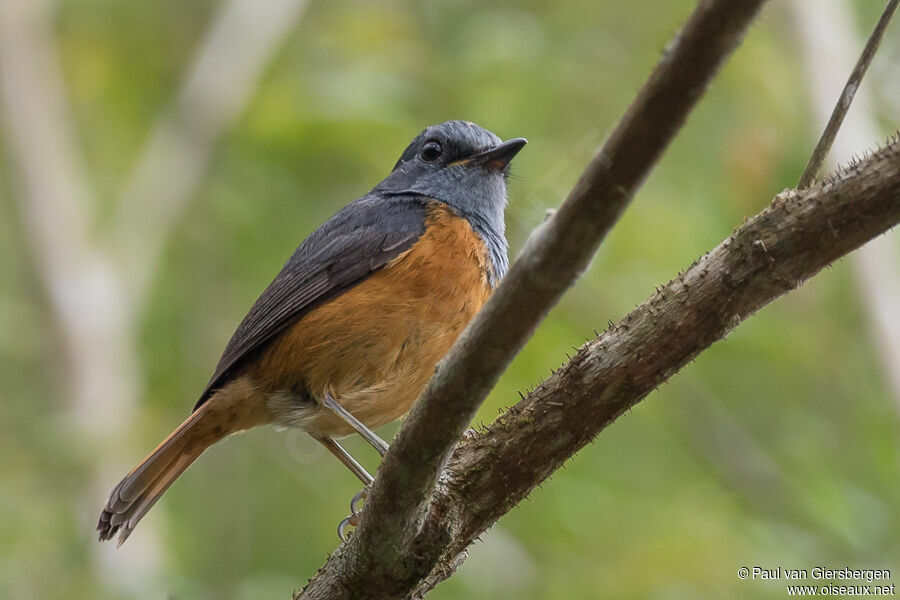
460,164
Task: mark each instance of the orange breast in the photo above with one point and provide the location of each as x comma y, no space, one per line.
375,346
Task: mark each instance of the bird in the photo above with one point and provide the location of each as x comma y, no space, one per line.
349,332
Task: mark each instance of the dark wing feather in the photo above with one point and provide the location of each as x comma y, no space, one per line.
360,239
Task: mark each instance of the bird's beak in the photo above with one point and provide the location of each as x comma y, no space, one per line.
497,157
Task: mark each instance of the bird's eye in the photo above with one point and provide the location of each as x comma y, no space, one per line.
431,151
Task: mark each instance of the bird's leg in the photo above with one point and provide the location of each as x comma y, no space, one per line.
348,460
379,444
367,434
357,469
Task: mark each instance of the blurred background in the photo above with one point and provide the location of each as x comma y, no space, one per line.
160,161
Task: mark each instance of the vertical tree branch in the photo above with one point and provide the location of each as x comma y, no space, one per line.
57,208
93,320
95,291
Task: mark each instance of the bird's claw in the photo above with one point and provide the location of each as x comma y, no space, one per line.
360,495
342,527
355,515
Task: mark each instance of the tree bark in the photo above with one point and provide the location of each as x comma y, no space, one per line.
400,540
797,235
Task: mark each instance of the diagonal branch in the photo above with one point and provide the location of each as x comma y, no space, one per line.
396,544
797,235
220,81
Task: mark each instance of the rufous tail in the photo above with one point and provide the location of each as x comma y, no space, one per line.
145,484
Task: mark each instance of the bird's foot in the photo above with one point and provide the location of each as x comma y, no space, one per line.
352,520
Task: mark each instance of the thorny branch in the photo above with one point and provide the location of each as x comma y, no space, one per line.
776,251
403,533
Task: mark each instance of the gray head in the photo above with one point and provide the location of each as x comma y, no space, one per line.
465,166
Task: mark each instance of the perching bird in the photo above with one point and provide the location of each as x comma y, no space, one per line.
349,332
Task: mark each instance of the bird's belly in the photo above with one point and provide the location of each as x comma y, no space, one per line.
374,347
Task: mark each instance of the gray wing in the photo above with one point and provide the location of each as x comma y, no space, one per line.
360,239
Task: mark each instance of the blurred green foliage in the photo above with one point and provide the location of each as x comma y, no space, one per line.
776,447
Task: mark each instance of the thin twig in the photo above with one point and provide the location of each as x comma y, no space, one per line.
843,103
827,32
